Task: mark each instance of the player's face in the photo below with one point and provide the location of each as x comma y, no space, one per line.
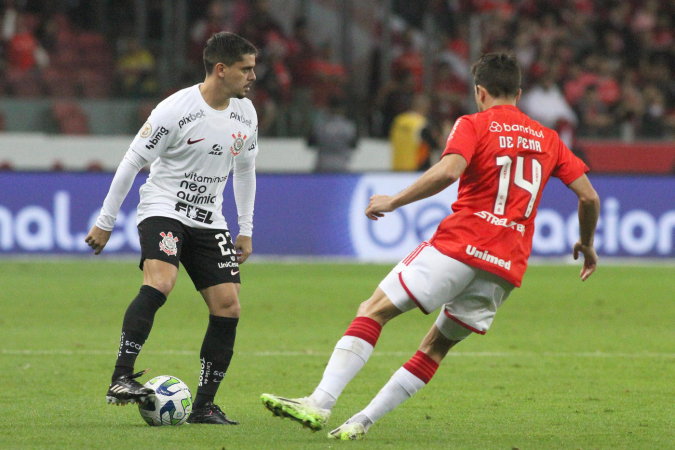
239,77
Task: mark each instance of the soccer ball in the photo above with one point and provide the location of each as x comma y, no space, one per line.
171,404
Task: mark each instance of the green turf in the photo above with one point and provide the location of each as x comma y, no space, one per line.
566,365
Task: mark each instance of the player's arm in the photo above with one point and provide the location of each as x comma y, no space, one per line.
244,186
589,210
433,181
124,177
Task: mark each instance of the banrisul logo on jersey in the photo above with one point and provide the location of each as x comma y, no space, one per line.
156,138
238,143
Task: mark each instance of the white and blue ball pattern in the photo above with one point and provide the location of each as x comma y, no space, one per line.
171,404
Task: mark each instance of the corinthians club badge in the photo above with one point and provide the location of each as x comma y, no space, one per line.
168,244
238,144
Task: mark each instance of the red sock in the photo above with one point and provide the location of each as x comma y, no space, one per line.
366,329
422,366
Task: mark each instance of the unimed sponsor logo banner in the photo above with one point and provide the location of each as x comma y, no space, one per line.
323,215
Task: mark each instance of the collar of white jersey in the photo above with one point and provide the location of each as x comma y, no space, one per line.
201,100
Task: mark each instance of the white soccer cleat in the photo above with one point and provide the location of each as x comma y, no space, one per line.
348,432
301,410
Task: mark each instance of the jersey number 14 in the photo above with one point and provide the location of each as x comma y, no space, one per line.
505,181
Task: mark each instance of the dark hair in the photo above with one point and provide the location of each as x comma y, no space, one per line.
499,73
226,48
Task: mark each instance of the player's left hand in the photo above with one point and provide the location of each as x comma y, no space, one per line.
379,204
244,247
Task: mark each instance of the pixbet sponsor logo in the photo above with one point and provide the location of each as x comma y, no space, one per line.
192,117
156,138
241,118
486,256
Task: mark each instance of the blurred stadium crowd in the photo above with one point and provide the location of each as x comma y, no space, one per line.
595,68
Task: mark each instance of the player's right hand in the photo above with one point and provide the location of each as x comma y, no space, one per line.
590,259
379,204
97,239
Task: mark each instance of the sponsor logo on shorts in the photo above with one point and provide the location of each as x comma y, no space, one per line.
502,222
146,130
190,118
228,265
168,243
486,256
156,138
238,143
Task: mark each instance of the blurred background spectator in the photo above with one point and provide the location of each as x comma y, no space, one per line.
334,137
412,137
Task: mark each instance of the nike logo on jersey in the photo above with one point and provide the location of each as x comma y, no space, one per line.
233,272
190,141
133,353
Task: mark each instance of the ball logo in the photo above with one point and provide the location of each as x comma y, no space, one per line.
146,130
168,244
238,144
495,127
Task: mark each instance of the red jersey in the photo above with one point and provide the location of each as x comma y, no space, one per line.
510,158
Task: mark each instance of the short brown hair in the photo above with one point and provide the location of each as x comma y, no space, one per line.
226,48
499,73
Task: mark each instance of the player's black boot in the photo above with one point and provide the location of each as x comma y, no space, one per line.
212,414
126,389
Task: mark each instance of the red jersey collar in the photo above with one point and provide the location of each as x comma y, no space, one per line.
511,107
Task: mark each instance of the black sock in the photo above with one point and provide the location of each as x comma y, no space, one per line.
136,328
216,354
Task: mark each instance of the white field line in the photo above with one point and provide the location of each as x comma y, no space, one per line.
19,352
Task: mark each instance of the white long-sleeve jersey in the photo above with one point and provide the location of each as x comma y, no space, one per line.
194,147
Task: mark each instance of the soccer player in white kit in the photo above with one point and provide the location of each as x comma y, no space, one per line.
195,138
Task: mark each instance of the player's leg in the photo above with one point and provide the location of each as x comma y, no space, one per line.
471,311
159,262
406,381
211,263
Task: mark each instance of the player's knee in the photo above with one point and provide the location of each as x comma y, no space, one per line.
165,286
226,307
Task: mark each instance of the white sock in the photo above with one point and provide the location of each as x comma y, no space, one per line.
349,356
398,389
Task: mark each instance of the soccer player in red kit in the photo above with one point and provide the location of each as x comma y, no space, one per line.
477,256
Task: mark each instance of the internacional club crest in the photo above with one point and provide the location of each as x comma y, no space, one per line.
238,144
168,244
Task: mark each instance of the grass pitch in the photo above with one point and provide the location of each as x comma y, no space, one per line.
566,365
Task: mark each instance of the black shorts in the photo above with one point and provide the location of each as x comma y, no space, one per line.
208,255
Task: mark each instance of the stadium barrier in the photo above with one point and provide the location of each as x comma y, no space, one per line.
322,216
